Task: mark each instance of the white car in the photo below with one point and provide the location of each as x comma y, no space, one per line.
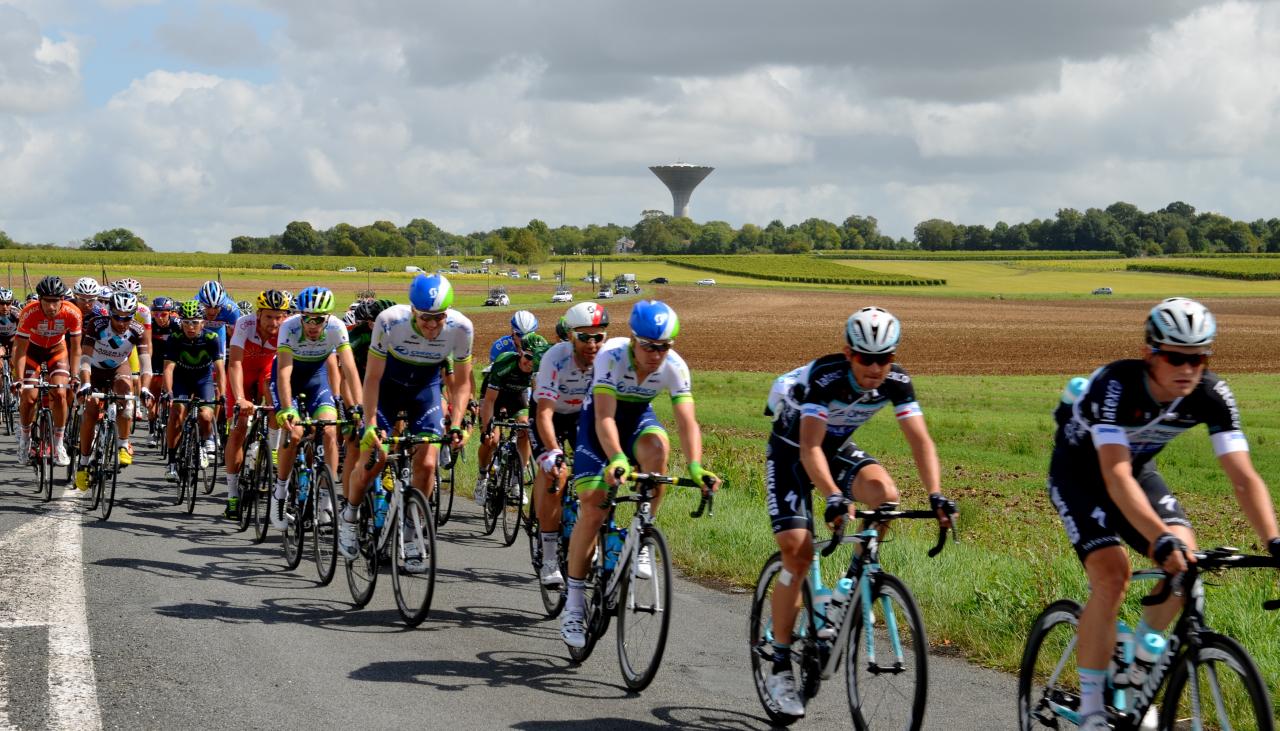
604,294
535,277
563,295
707,282
347,269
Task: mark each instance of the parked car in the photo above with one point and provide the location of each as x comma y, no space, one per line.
591,279
708,282
605,293
562,295
414,270
347,269
497,298
514,274
278,265
378,269
1102,290
659,280
535,277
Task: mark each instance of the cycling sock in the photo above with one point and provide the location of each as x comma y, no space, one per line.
26,430
574,600
1092,683
58,436
282,489
233,485
550,545
781,658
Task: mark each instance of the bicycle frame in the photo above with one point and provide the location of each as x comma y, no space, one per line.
399,462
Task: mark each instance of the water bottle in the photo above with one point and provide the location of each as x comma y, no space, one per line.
1145,654
839,600
304,486
1074,390
1121,661
612,547
379,507
251,453
568,517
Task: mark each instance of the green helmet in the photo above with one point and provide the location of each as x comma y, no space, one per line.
191,310
536,344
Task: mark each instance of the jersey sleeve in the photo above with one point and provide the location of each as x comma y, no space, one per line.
814,399
463,336
546,383
378,338
502,372
1099,409
338,332
679,381
75,323
498,348
902,394
240,337
1223,421
605,376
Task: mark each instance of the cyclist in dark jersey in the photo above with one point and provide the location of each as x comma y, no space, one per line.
506,391
816,409
108,343
8,321
1103,480
193,359
361,336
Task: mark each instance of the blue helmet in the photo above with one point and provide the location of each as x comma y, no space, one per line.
163,304
211,294
431,293
654,320
523,323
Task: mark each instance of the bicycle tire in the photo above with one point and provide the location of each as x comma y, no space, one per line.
414,590
71,439
7,399
639,597
434,500
324,528
362,571
493,501
445,489
111,469
46,453
247,489
760,639
179,460
262,485
294,533
191,477
512,499
1033,710
1219,650
209,475
97,483
868,696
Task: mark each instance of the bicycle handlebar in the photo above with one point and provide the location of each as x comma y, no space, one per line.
705,507
884,514
1223,557
404,441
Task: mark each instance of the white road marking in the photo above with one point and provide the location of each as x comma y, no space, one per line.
42,584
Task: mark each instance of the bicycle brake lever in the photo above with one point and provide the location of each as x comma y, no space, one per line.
705,506
942,542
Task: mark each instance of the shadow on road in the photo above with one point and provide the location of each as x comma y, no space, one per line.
541,672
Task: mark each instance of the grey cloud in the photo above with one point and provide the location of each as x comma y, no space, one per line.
34,77
210,37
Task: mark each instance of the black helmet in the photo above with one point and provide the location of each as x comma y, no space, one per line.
51,286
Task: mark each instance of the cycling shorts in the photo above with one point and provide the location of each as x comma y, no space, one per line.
103,380
566,430
311,392
1093,521
256,375
514,405
589,459
194,385
421,406
788,489
53,358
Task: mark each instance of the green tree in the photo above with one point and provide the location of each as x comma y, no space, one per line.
116,239
716,237
1177,242
935,234
300,238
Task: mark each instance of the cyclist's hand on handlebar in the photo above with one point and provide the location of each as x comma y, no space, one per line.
1171,554
838,509
548,460
244,404
457,437
709,480
371,438
944,507
618,469
286,415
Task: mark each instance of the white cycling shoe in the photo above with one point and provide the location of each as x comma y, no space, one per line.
782,690
279,520
348,540
549,575
573,629
644,564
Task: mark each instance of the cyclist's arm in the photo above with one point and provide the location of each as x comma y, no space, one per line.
168,375
1125,492
923,451
144,360
687,427
544,422
812,433
1251,493
373,369
73,351
235,372
19,357
350,376
486,406
460,389
219,373
85,363
284,371
606,407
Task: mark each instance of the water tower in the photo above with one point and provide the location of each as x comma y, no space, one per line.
681,178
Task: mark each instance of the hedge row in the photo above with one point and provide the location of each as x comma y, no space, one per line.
797,268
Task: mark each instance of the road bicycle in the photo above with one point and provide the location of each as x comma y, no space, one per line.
311,503
8,404
871,622
104,456
71,436
193,473
447,474
1209,679
41,449
257,475
618,583
553,597
505,498
394,524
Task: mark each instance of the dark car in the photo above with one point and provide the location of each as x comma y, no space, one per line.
658,280
378,269
278,265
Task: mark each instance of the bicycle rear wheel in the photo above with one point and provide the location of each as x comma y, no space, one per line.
209,475
97,483
295,528
1048,679
109,484
512,499
414,580
262,485
72,440
324,528
1217,686
805,651
444,486
493,500
45,425
892,693
362,571
190,477
644,613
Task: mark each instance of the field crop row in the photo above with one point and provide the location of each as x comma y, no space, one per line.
917,254
790,268
1251,269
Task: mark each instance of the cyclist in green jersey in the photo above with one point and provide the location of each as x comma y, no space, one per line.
506,389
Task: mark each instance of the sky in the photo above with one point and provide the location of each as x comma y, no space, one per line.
191,121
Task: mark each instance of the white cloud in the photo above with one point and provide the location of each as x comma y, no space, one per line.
37,74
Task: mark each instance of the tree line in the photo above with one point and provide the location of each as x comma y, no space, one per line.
116,239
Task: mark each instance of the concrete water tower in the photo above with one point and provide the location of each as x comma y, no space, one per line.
681,178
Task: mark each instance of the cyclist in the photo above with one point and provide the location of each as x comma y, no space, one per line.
192,364
249,361
219,309
618,421
48,334
8,322
164,323
245,307
109,341
85,295
1104,483
523,322
410,348
140,369
562,330
560,390
506,391
300,380
361,336
816,409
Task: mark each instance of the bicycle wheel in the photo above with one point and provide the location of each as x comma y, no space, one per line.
295,527
597,619
644,613
1048,678
493,500
262,485
805,649
324,529
1217,686
512,500
72,441
190,477
209,475
110,467
444,487
362,571
46,453
891,693
414,581
96,484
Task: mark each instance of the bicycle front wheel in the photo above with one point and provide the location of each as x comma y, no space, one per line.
804,650
1048,679
512,502
263,476
644,612
413,568
887,661
46,454
191,476
294,528
72,441
444,488
110,465
324,528
362,571
1217,686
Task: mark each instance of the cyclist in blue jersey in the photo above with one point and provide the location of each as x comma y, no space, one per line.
192,363
1104,483
164,324
618,428
523,323
220,311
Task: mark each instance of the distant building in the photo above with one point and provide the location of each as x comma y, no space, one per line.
623,245
681,178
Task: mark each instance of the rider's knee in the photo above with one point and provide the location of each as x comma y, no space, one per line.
1109,572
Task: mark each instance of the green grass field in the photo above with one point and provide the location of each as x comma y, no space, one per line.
1253,268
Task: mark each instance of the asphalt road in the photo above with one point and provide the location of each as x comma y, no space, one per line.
157,619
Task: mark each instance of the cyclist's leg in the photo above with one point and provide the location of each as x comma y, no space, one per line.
862,478
60,375
426,417
588,479
206,391
123,386
650,448
1158,617
324,408
547,504
789,496
89,419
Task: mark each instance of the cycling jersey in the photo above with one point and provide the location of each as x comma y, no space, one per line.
561,381
8,326
48,332
504,344
143,316
825,389
258,352
309,355
193,356
228,314
107,349
416,360
511,384
360,335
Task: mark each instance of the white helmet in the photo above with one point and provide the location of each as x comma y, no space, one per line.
523,323
86,287
124,301
586,314
873,330
128,284
1181,321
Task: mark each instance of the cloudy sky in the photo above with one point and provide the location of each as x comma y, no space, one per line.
192,121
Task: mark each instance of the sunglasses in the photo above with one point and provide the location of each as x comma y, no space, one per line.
316,319
526,356
121,318
431,316
1177,360
590,338
868,359
654,347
